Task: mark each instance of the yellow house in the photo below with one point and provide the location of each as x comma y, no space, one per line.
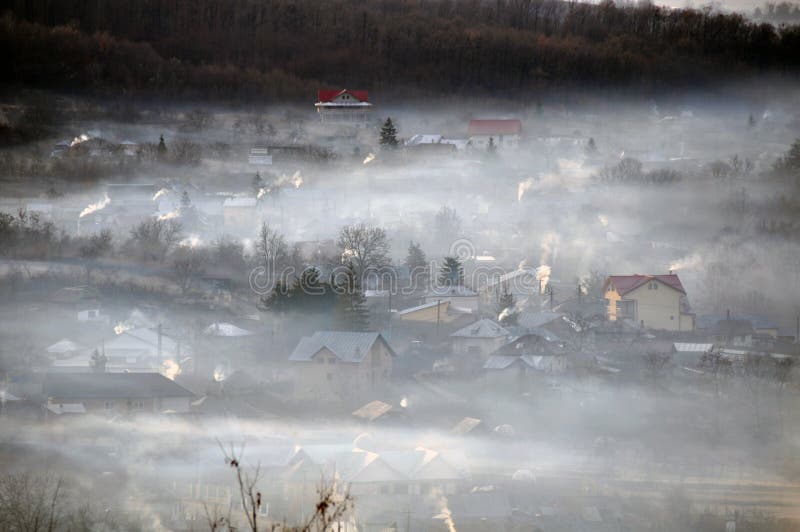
652,301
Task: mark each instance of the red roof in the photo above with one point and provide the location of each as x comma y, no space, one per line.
328,95
495,127
626,283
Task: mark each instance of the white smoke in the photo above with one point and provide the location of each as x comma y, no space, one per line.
94,207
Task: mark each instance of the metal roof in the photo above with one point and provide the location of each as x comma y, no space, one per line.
111,385
691,348
347,346
484,328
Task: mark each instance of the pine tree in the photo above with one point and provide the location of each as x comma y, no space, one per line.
591,147
186,201
417,265
388,134
491,147
351,311
506,308
751,121
98,362
258,183
451,272
162,147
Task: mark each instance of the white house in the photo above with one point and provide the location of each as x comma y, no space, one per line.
343,107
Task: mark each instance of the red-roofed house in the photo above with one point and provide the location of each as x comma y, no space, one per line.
343,106
504,133
653,301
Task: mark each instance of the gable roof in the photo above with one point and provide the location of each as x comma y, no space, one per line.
225,329
484,328
111,385
627,283
495,127
328,95
347,346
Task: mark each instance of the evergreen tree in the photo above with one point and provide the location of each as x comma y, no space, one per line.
539,110
491,148
751,121
162,148
186,201
451,272
258,183
417,265
591,147
351,311
388,134
98,362
506,308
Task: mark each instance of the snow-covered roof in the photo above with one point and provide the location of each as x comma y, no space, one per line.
484,328
240,202
225,329
63,346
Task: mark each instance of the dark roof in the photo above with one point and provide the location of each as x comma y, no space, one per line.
111,385
529,344
626,283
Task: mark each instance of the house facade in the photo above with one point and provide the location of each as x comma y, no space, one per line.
337,365
652,301
343,107
504,134
115,393
478,340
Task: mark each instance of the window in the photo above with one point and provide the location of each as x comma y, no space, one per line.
672,317
109,405
474,350
137,405
332,360
92,313
329,376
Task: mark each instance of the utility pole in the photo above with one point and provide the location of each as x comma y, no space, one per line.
438,303
551,295
159,347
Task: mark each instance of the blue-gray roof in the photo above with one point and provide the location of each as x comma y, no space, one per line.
347,346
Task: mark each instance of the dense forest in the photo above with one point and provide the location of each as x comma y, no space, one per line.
287,48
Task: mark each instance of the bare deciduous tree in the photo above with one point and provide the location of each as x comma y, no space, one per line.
365,245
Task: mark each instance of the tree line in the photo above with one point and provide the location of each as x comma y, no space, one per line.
268,49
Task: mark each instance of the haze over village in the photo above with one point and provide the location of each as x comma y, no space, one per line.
540,290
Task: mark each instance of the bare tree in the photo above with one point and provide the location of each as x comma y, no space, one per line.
272,252
187,265
153,239
331,507
30,503
365,245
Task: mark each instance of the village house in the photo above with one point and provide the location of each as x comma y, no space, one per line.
478,340
343,107
504,134
460,297
341,365
114,393
239,213
652,301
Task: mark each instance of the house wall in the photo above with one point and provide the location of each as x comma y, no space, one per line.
654,308
429,315
501,141
117,406
483,347
469,303
328,378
